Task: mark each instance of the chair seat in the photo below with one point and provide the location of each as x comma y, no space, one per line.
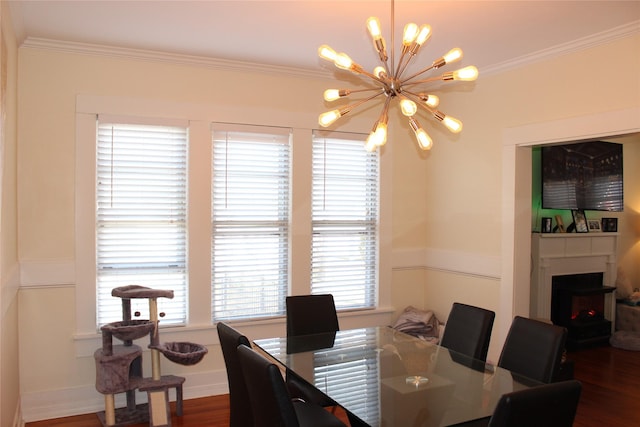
314,415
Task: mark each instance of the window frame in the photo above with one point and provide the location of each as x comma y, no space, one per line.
109,222
265,140
359,223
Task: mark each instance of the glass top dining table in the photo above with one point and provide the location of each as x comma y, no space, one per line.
384,377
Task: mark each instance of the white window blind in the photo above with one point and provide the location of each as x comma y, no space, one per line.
141,217
345,199
250,221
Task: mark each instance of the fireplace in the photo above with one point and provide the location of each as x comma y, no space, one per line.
578,303
592,258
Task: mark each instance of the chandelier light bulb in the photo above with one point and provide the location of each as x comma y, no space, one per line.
453,55
380,72
410,34
424,140
369,145
373,25
343,61
453,124
430,100
326,119
331,94
466,74
378,137
408,107
325,52
423,35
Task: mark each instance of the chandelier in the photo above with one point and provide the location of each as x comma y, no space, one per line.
393,81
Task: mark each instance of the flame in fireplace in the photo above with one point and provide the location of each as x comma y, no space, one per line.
584,314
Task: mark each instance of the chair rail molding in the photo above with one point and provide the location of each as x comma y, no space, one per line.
54,272
455,262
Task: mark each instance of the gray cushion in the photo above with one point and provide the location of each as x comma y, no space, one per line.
626,340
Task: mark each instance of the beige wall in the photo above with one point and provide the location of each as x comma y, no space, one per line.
446,235
9,360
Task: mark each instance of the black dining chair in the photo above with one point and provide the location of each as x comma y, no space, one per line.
240,411
310,315
270,400
533,349
468,330
548,405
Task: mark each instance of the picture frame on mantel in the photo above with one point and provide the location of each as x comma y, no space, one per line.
594,225
610,225
580,220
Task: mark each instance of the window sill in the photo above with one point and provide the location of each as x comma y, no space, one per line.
87,344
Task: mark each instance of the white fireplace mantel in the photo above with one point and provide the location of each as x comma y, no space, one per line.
556,254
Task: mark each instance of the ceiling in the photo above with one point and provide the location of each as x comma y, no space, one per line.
288,33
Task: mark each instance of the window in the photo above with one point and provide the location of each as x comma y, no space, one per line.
344,220
238,235
141,217
250,221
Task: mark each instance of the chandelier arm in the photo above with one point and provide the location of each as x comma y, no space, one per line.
356,104
373,76
385,108
383,117
385,64
429,80
404,67
348,92
411,95
402,64
405,81
366,90
417,99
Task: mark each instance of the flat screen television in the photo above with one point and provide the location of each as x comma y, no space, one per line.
584,175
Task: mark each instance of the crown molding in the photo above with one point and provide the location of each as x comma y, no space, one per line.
583,43
166,57
587,42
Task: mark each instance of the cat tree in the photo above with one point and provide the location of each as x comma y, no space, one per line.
119,367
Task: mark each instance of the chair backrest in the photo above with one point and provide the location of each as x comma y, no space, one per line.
533,349
548,405
468,330
239,408
311,314
270,400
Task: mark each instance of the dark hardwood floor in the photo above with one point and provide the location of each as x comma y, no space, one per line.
610,396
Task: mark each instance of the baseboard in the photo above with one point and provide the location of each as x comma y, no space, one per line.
49,404
17,417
